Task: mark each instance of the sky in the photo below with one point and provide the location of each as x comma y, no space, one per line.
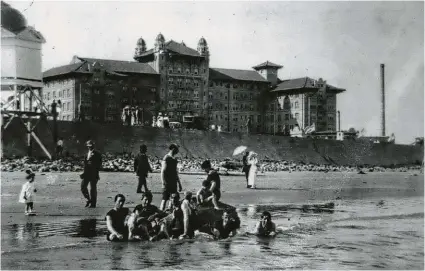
342,42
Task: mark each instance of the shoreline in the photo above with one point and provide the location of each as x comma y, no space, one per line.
59,195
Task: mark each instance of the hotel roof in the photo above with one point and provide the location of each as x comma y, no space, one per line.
303,84
232,74
115,67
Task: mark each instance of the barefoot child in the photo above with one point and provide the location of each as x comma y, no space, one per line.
28,191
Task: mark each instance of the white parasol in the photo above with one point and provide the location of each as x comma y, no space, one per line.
239,150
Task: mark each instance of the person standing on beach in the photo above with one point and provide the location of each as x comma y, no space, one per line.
252,174
28,191
169,175
142,167
246,167
92,165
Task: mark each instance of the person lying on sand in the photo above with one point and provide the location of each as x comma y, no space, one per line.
116,220
265,227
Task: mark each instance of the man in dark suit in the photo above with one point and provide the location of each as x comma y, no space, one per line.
246,167
142,167
92,165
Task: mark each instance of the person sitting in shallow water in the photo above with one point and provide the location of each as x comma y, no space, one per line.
204,195
116,220
213,180
174,228
189,216
144,222
225,227
265,227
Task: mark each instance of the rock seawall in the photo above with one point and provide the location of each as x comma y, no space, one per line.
114,138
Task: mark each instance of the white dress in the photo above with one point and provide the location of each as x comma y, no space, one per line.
252,172
28,190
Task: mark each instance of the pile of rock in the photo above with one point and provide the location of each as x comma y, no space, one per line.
124,163
10,165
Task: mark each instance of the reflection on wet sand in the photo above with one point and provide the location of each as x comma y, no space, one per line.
307,240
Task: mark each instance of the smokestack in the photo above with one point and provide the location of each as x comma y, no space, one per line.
339,121
382,99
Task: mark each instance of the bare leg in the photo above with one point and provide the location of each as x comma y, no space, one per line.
215,202
162,206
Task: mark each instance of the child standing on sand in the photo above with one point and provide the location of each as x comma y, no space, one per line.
28,191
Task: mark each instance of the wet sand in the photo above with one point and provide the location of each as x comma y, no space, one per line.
362,233
59,195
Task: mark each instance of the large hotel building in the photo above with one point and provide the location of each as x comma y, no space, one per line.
177,80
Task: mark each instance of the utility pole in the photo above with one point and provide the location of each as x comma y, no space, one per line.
339,121
55,125
228,109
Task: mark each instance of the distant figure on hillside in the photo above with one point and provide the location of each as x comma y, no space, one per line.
59,147
248,126
92,165
246,167
142,167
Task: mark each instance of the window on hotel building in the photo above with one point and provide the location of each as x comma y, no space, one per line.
195,71
296,104
297,116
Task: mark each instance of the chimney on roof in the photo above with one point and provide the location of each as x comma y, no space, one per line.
382,99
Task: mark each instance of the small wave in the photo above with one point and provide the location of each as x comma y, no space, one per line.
381,217
80,244
356,227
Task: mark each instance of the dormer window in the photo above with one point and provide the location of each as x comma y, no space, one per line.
170,69
187,71
179,70
195,71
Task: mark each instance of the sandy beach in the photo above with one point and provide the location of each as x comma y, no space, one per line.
59,194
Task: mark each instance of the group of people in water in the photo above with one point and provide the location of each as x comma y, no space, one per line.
178,219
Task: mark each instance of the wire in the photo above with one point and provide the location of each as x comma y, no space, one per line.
32,2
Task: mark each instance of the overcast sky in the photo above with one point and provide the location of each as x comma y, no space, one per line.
341,42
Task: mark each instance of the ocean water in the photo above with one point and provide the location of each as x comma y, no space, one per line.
359,234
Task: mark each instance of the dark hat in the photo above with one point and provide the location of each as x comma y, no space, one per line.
206,164
29,173
173,146
89,143
143,147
